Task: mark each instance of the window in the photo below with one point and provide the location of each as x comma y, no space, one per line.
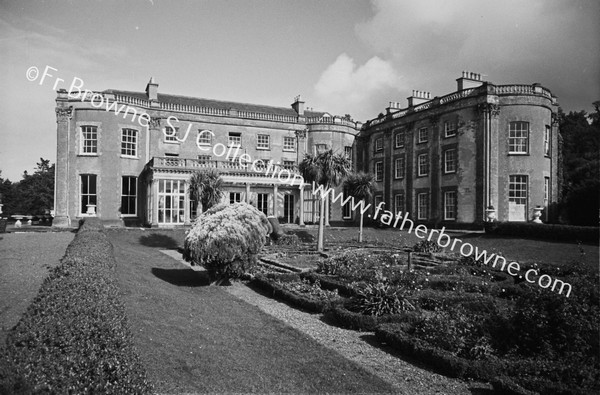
546,190
204,137
263,141
289,164
171,134
171,201
423,135
204,159
378,200
289,143
517,189
518,138
346,208
129,142
450,205
423,165
348,152
262,203
422,205
399,139
89,140
449,129
235,197
128,195
547,141
450,161
321,148
235,139
378,171
399,167
378,144
88,191
399,202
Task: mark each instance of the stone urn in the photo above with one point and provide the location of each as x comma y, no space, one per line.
91,210
18,224
537,213
490,214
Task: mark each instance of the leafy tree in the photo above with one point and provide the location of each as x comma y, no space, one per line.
35,192
206,188
360,186
580,165
327,169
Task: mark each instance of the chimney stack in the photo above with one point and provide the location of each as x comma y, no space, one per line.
468,80
152,90
418,97
298,106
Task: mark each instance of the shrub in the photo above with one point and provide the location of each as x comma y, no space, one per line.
379,299
426,246
90,224
74,337
544,231
288,240
226,239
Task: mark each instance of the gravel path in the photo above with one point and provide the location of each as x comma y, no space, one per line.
24,262
360,347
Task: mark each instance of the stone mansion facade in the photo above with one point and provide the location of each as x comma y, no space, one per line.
127,157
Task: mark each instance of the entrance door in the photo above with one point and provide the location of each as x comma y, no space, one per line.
517,198
288,208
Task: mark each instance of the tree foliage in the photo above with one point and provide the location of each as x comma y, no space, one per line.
33,194
206,187
581,164
226,239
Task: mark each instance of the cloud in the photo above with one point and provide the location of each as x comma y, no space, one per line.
553,42
348,88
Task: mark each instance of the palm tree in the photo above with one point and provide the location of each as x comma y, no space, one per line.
360,186
206,188
327,169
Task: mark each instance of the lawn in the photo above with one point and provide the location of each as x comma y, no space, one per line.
198,338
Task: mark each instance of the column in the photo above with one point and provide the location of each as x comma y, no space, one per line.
301,188
248,193
154,203
275,214
186,208
61,177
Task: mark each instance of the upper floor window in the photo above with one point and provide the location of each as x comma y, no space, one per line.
171,134
422,205
547,141
423,135
518,138
289,164
204,137
320,148
263,141
89,140
378,144
129,142
378,171
449,128
399,202
399,167
204,159
348,152
235,197
423,165
450,161
289,143
399,139
235,139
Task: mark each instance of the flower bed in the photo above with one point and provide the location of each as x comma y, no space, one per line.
74,337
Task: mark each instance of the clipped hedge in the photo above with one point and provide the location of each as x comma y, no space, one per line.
544,231
74,337
275,290
368,323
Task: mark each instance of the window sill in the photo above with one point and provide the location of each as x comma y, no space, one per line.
399,147
263,149
129,157
422,175
289,150
518,154
448,173
398,178
171,142
128,215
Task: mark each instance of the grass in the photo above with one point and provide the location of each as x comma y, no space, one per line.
198,338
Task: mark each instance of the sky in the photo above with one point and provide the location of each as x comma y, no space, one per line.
343,56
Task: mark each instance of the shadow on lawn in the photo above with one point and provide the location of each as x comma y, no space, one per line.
372,341
158,240
182,277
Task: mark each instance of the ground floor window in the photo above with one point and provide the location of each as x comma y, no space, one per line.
346,208
171,201
517,197
235,197
129,195
422,205
262,203
450,205
399,202
88,192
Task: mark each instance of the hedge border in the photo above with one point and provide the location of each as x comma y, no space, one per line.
544,231
75,336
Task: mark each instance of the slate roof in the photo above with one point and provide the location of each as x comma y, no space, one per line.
218,104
